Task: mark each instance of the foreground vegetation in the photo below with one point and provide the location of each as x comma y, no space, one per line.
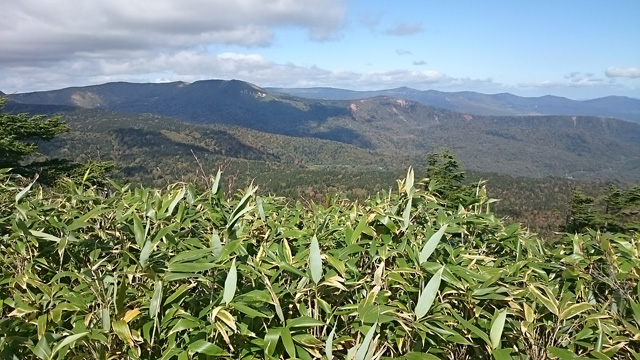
178,273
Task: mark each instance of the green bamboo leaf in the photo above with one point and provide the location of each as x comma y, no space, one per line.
145,253
138,230
216,244
495,333
574,310
154,306
82,220
183,324
207,348
315,260
121,329
307,340
304,322
564,354
600,340
364,347
287,341
162,233
250,312
190,255
44,236
106,318
41,325
479,333
190,267
274,299
362,227
550,304
502,354
242,207
260,208
601,356
24,191
419,356
271,341
406,215
230,284
635,308
428,295
431,244
408,184
68,341
216,182
175,201
328,348
42,349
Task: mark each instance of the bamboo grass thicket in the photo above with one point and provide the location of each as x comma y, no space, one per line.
178,273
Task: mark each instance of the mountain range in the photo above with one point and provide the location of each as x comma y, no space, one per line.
503,104
391,126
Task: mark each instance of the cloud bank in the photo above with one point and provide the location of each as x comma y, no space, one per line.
630,72
35,31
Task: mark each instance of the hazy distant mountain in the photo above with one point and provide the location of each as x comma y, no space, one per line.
391,126
482,104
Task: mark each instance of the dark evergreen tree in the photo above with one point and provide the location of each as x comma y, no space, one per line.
581,214
445,178
20,133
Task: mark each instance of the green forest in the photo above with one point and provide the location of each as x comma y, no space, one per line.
347,262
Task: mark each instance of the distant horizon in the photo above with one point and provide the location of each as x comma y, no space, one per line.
316,87
580,50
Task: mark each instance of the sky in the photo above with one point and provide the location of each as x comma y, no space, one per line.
576,49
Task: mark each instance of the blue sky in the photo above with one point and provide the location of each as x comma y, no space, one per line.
577,49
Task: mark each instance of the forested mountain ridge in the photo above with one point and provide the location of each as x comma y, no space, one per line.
571,146
503,104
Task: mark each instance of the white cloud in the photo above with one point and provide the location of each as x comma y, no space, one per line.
404,29
573,79
630,72
577,78
192,65
35,31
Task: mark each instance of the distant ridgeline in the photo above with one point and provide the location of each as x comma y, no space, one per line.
576,146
